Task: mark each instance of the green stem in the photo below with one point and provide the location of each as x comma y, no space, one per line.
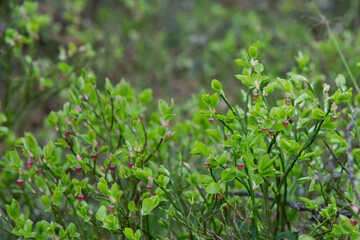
235,112
333,39
306,145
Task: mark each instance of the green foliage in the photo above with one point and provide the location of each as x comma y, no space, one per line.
121,163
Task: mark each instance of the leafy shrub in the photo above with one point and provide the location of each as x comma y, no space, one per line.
270,169
30,78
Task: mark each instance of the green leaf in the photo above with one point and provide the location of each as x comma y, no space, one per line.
31,143
13,210
213,188
342,97
199,149
163,107
206,99
216,86
102,186
3,130
114,191
253,52
108,87
72,229
104,149
163,180
28,226
142,173
145,96
265,165
340,81
289,146
132,207
57,196
346,226
111,222
242,63
214,100
309,204
91,135
305,237
129,233
45,200
101,213
149,204
318,114
228,174
52,119
246,80
137,234
13,157
61,143
259,68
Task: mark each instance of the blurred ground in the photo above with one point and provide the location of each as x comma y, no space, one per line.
178,47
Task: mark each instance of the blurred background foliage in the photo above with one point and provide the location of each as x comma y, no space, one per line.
174,47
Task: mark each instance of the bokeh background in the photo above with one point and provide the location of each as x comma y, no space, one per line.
174,47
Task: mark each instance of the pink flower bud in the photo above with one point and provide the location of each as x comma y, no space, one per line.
165,124
30,154
354,207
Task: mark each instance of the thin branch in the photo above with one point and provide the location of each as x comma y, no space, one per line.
214,235
156,149
299,206
332,153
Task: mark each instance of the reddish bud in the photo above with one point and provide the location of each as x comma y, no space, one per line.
353,222
148,187
219,195
271,131
240,166
285,123
131,164
255,96
111,208
94,155
112,167
168,134
80,197
287,101
264,129
211,120
141,117
30,164
36,37
37,171
207,164
20,182
334,117
67,133
78,168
